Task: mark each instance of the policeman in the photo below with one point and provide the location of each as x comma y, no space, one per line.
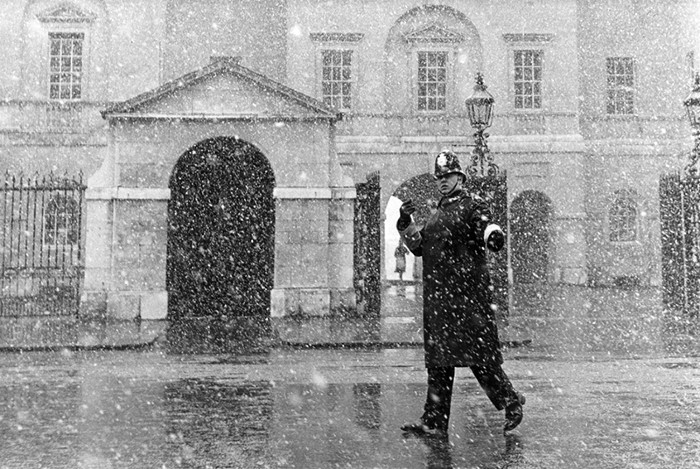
459,323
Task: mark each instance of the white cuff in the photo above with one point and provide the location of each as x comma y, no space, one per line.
492,228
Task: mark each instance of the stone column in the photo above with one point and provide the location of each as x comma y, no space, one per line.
126,245
313,251
341,251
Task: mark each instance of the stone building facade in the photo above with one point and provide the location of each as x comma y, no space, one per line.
320,94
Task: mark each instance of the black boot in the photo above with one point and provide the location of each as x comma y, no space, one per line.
424,428
514,413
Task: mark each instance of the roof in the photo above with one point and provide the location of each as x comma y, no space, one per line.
218,67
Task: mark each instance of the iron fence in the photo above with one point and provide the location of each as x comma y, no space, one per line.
42,266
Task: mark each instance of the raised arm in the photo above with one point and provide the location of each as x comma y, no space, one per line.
410,234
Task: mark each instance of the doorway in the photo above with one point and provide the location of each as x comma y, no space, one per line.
221,223
530,221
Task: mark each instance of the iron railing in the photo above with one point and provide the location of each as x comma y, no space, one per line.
41,265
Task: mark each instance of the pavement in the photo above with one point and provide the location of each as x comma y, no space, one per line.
340,408
612,381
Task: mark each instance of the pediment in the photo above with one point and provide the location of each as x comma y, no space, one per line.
435,34
66,13
223,89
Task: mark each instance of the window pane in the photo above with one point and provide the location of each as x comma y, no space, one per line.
518,56
441,60
327,57
441,75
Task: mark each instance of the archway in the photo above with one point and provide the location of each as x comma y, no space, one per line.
530,221
221,221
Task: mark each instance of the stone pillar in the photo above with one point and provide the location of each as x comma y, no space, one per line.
341,251
126,245
313,259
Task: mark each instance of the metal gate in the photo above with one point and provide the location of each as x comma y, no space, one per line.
367,247
679,199
42,263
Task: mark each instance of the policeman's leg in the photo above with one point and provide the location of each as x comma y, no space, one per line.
436,412
500,391
495,383
439,399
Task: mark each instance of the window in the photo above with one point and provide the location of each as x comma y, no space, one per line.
623,218
620,99
527,84
432,80
336,82
65,66
337,68
61,221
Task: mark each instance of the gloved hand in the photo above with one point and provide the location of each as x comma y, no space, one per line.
407,208
496,240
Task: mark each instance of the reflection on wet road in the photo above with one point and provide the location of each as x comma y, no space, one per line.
337,408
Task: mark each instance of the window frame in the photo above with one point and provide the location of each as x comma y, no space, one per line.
618,219
61,58
67,18
528,42
338,42
514,82
449,88
351,81
633,92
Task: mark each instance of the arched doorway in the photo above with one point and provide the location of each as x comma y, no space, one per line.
221,221
530,221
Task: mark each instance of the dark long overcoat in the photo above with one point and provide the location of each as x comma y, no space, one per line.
458,317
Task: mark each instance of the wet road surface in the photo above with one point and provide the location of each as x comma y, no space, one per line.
324,408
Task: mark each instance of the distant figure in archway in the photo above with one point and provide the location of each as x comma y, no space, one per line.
400,256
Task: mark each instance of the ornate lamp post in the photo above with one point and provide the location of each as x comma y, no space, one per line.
692,105
480,111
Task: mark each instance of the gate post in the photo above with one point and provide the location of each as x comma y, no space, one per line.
313,249
672,267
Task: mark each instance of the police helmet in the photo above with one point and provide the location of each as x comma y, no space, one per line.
447,162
